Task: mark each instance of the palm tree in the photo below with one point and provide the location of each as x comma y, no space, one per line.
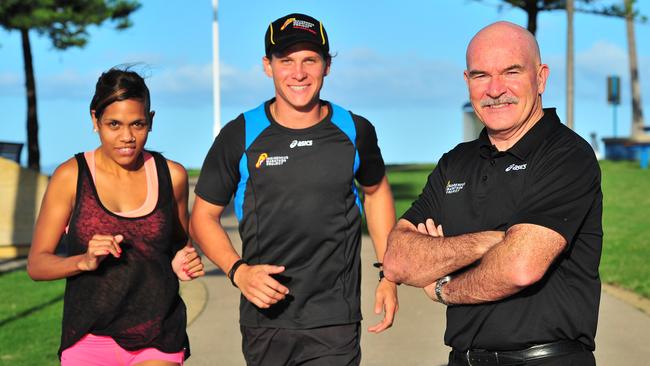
636,129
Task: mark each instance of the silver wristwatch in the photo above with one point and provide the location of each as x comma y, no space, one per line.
441,282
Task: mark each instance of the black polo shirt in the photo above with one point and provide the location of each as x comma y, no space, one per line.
550,178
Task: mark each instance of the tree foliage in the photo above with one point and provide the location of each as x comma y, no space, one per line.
65,23
534,7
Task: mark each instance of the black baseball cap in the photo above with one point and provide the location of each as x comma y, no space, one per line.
295,28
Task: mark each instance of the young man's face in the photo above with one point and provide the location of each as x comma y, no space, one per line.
298,75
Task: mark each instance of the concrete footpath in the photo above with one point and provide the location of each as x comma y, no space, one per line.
416,337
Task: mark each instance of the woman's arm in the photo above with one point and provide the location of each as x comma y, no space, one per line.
56,208
186,263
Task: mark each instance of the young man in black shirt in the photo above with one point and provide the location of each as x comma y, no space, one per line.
291,164
521,209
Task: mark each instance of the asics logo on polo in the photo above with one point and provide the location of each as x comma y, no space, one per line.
516,167
296,143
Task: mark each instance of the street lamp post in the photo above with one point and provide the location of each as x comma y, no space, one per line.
216,87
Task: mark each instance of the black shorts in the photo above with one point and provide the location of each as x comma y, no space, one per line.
336,345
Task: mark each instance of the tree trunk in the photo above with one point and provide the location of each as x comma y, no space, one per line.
532,10
637,112
569,64
33,152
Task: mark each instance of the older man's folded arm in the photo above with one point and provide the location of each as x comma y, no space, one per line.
521,260
418,259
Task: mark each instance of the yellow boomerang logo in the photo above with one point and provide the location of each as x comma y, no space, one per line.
261,159
287,22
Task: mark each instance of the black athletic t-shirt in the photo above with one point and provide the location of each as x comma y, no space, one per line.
549,178
298,207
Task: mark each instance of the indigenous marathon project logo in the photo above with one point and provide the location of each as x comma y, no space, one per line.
454,187
261,159
299,24
265,160
296,143
516,167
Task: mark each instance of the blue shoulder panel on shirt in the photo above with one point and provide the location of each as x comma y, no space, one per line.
241,186
255,122
343,120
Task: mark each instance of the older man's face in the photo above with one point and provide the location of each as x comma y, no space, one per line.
505,81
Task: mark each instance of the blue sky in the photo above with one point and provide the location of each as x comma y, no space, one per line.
399,64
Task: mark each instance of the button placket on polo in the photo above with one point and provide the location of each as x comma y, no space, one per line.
485,179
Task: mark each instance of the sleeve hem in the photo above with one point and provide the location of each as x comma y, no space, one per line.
557,225
372,182
212,200
410,217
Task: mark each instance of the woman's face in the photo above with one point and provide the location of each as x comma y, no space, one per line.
123,129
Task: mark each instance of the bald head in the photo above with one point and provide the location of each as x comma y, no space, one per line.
505,79
504,35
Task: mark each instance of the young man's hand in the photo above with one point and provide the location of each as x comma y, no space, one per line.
386,300
257,285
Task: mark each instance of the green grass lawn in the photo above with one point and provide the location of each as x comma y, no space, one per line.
193,173
626,226
406,182
30,312
30,320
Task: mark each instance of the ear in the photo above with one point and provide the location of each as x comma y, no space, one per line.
542,75
94,119
268,70
151,114
466,77
327,67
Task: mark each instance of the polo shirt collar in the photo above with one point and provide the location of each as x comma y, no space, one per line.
533,138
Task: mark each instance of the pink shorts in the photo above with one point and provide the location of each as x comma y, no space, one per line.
103,351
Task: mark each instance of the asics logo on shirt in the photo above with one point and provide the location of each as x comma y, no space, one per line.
296,143
516,167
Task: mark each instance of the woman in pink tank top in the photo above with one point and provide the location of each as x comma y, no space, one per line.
122,213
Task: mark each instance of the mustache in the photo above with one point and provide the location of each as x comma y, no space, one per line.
501,100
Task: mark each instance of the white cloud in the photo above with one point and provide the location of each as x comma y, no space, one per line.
359,78
368,79
592,66
244,87
603,58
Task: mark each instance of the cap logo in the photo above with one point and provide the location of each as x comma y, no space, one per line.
287,22
291,32
299,24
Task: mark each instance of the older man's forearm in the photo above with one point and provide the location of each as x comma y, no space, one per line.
418,260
